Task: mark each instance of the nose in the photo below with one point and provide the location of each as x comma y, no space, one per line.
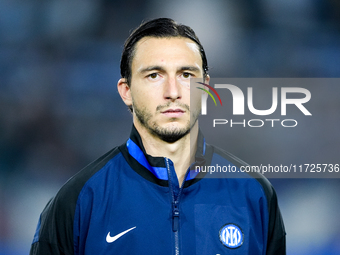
172,89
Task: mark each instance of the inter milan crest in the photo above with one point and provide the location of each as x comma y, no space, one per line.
231,236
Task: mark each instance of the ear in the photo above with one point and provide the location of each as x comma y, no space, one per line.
124,91
207,79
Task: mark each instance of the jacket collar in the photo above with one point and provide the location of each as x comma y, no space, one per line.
156,165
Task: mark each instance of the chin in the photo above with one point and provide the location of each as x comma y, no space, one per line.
175,126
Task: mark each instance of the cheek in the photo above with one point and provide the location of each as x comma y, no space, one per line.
196,96
139,95
195,103
145,90
144,100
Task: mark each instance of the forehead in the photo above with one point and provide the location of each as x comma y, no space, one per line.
180,50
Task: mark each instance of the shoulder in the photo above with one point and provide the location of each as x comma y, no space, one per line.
225,157
55,227
71,189
276,230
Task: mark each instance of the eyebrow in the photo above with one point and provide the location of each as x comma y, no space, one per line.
190,68
159,68
151,68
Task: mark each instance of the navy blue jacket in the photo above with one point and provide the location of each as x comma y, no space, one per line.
127,202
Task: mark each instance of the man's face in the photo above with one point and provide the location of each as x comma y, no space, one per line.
160,86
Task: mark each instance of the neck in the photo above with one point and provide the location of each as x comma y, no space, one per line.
181,152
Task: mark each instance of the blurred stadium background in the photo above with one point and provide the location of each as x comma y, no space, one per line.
59,108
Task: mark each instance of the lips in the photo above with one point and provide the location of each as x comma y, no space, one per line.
173,112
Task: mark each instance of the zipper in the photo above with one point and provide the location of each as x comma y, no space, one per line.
175,206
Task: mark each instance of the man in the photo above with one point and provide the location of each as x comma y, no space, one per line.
141,197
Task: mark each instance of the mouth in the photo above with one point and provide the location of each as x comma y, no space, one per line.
173,113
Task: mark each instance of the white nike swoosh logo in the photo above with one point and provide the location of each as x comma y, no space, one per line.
111,239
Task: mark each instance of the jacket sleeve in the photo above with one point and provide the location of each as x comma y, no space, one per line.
54,233
58,229
276,243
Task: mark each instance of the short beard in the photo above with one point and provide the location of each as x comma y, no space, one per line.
169,135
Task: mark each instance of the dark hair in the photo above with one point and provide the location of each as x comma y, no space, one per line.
159,28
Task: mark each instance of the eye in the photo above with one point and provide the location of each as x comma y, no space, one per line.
187,75
153,76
